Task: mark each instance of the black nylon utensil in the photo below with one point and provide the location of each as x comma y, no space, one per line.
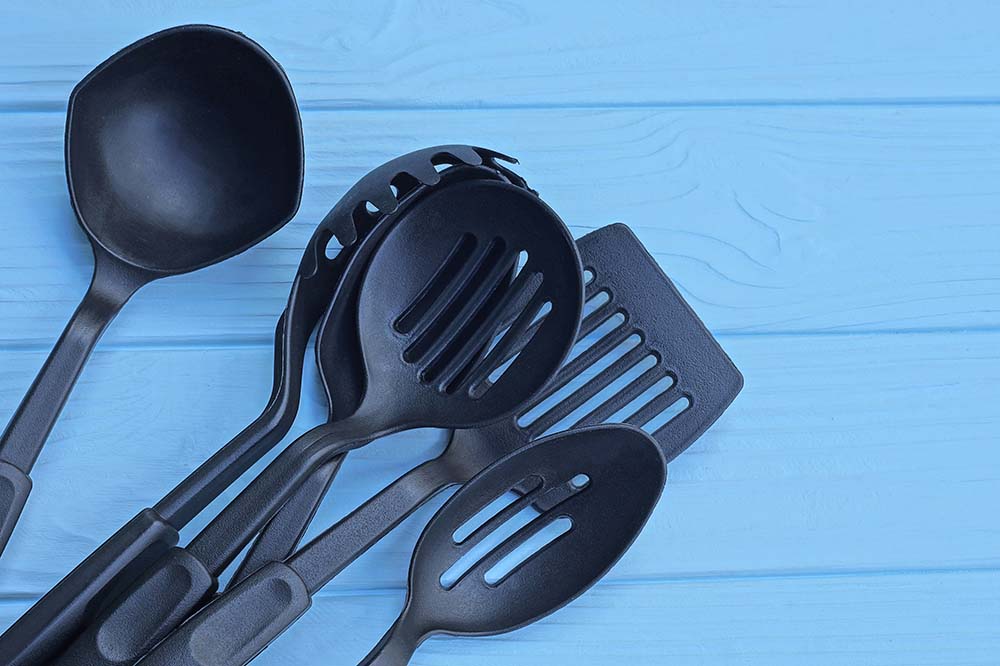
428,304
59,616
597,485
182,150
643,353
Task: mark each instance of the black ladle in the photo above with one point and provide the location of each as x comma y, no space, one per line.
604,481
182,150
427,307
56,618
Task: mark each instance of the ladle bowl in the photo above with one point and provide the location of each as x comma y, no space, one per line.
182,150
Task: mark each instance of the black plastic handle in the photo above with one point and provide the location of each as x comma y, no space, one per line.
397,646
112,285
128,629
237,626
284,532
57,617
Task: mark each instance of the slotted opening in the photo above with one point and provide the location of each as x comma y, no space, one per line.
466,529
635,404
588,341
677,408
499,371
571,387
453,312
542,313
588,276
371,208
522,261
402,184
618,385
596,301
363,218
459,254
510,341
520,520
331,247
444,161
580,481
535,544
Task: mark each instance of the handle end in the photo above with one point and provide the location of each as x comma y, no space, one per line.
14,489
238,625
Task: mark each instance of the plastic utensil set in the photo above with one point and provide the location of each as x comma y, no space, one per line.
568,372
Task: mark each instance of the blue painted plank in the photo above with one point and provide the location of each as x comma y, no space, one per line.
931,619
845,453
381,54
770,220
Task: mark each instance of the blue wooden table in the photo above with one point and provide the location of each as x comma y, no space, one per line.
821,180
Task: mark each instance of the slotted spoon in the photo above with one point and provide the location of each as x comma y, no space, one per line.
644,358
601,484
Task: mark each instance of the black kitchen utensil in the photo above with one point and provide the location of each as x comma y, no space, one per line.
46,628
182,150
585,496
436,291
643,358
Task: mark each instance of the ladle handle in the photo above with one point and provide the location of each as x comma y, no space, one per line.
113,284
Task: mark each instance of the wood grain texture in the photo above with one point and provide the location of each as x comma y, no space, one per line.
817,468
821,180
934,619
770,220
360,54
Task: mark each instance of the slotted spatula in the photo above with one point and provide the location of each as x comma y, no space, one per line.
596,485
642,355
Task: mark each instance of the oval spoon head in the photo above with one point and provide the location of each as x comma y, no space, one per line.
438,291
184,149
595,486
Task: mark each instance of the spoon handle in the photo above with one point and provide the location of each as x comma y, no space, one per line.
112,285
336,548
397,646
279,539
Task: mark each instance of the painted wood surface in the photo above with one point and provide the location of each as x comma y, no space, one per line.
822,180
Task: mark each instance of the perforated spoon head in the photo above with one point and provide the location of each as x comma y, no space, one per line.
438,290
604,481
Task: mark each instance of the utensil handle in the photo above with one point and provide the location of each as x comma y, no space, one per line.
238,625
111,287
242,519
283,533
333,550
397,646
56,618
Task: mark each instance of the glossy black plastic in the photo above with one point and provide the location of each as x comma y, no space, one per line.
421,237
669,331
182,150
625,472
